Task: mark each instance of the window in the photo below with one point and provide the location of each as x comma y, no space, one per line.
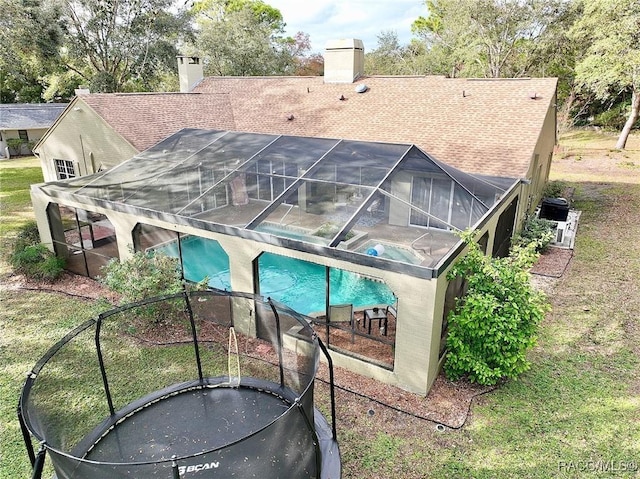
65,169
24,136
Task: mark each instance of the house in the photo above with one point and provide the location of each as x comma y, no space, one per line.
359,182
23,124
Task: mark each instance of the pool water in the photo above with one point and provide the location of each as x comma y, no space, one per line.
393,252
296,283
201,258
297,234
301,285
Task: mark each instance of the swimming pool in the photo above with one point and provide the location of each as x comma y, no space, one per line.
300,234
393,252
296,283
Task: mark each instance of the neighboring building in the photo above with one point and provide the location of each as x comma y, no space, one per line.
26,122
255,168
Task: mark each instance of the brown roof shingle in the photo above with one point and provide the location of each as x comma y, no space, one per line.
144,119
482,126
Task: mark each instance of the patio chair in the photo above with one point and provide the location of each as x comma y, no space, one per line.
343,313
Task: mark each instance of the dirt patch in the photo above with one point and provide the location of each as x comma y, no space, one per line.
448,403
69,284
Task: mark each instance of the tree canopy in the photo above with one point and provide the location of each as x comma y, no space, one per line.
50,47
486,38
122,45
30,35
590,45
610,65
245,37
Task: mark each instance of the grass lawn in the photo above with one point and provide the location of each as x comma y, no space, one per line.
575,414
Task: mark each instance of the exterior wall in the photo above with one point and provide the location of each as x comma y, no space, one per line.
540,164
93,146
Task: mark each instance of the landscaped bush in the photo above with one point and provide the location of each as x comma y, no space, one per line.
33,259
144,276
538,231
15,145
37,262
554,189
495,324
28,235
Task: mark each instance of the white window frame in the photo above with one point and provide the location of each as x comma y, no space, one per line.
65,169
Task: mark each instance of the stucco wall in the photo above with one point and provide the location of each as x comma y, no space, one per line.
83,137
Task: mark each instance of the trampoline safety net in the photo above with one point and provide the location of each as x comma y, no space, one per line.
199,384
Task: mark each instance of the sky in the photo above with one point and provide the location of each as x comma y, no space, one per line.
327,20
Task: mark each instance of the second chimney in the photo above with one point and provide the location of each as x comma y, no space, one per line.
190,73
343,61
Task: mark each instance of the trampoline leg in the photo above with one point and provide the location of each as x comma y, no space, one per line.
174,466
26,437
38,465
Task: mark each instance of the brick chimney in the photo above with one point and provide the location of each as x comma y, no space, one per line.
190,72
343,60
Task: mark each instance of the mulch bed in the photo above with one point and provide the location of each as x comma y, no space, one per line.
553,263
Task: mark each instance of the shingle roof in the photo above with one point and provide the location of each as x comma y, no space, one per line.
482,126
144,119
26,116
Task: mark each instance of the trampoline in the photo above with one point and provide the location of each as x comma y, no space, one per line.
203,384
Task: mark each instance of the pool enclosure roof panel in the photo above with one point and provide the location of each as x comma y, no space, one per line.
342,194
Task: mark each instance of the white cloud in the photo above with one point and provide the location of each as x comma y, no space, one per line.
326,20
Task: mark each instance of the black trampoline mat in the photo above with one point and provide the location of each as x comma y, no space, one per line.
188,423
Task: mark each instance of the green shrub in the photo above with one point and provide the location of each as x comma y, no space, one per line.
15,143
144,276
554,189
37,262
495,324
538,231
33,259
613,118
28,235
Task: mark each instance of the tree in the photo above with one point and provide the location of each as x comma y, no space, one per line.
611,63
119,45
392,58
304,63
245,38
30,35
488,38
